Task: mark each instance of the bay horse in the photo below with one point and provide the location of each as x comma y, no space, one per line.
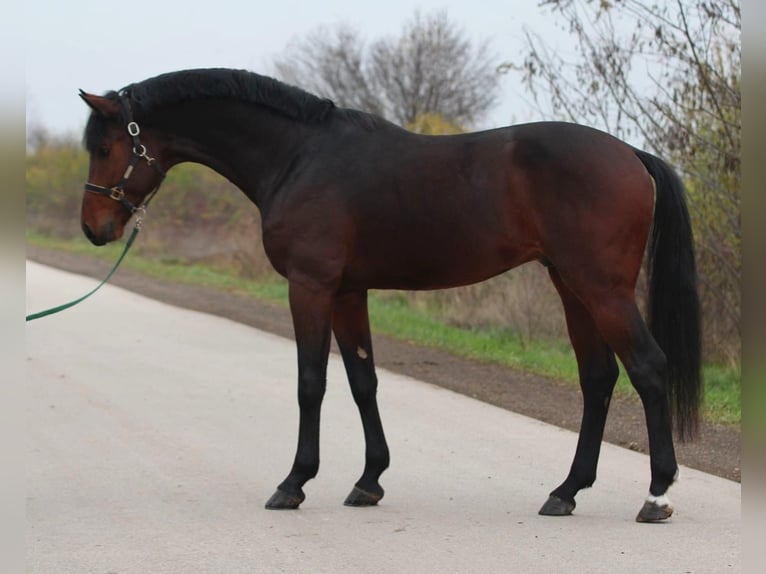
350,202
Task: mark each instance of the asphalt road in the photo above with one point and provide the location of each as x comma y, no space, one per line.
156,434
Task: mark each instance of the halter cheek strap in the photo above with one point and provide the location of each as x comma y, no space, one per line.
117,192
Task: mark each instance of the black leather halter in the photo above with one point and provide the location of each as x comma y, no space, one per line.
117,192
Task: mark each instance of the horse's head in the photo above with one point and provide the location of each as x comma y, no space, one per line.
122,176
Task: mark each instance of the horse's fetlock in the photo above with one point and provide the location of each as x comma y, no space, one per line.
306,469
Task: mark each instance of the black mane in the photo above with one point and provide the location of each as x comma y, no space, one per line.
221,83
177,87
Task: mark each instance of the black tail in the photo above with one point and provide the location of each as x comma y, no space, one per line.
674,309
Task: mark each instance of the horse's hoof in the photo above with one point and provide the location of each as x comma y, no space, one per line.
359,497
654,512
556,506
281,500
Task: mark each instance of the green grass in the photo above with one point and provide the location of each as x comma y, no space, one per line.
393,316
723,400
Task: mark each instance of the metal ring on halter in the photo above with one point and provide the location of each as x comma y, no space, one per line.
140,150
133,129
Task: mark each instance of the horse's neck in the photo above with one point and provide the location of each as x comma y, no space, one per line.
250,146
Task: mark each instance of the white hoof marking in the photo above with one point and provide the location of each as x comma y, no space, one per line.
662,501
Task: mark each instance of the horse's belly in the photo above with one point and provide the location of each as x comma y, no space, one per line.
437,265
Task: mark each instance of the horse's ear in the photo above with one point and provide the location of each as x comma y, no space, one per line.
107,107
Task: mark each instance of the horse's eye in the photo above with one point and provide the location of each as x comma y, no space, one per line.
103,151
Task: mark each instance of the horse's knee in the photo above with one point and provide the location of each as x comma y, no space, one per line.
311,389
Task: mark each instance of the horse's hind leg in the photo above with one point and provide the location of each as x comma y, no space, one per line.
311,308
598,374
619,322
352,331
624,329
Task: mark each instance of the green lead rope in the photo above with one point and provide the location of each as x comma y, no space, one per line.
54,310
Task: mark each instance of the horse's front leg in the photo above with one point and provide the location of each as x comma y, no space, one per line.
311,308
352,331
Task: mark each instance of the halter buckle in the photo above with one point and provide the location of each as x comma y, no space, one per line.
116,193
133,129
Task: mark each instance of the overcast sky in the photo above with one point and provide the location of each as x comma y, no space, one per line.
101,45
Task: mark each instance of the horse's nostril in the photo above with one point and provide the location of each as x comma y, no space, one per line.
91,236
88,233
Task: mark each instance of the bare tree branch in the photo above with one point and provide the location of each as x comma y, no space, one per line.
430,68
685,107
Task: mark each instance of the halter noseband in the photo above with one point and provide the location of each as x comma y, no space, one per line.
117,192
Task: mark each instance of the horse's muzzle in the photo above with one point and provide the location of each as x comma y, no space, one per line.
105,235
